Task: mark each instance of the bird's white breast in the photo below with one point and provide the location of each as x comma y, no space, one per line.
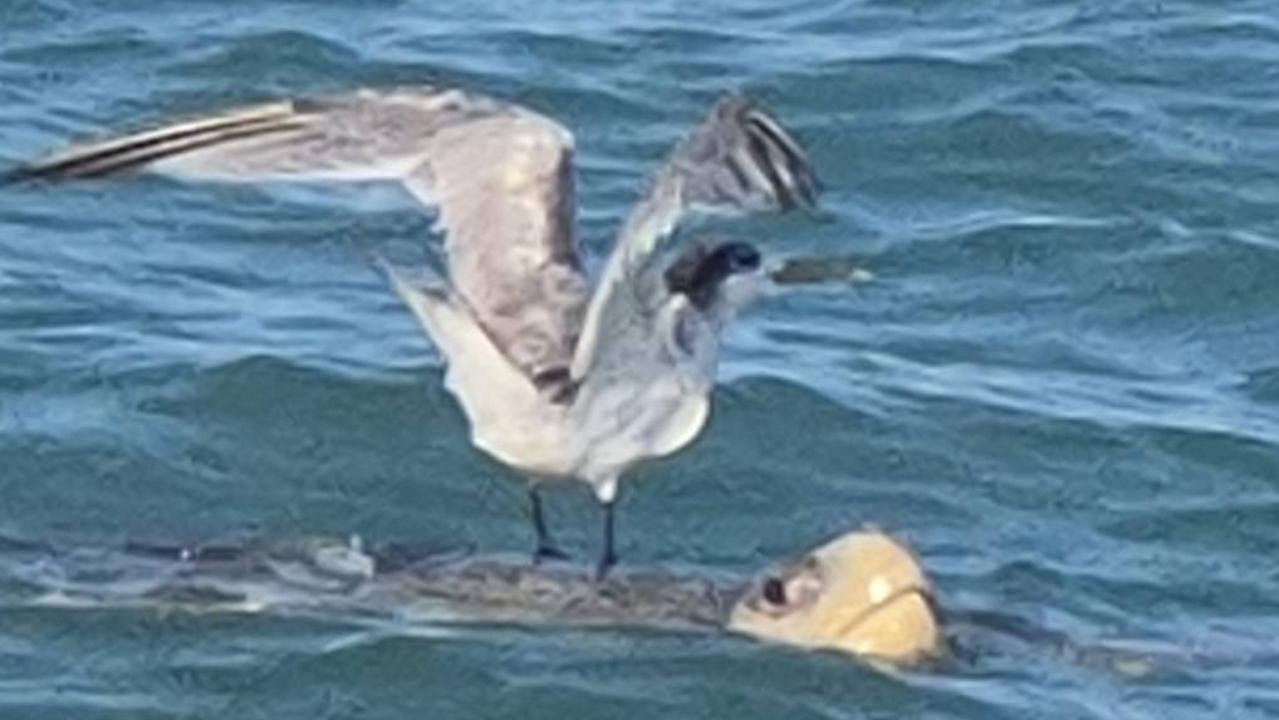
625,424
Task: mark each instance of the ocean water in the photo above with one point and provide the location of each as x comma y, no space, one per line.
1061,386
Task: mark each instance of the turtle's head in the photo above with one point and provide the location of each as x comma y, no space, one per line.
861,593
718,278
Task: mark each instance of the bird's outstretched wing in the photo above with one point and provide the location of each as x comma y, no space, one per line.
501,176
739,159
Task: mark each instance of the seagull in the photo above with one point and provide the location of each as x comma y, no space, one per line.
557,380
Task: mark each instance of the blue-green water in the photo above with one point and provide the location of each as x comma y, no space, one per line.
1062,386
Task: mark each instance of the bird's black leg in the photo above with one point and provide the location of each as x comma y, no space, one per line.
608,558
546,549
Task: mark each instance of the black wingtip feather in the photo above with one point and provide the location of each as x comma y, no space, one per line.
806,187
781,160
742,157
763,160
128,154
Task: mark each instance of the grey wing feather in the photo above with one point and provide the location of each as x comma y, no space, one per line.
739,159
501,176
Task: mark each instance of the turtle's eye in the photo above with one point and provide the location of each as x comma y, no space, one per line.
775,591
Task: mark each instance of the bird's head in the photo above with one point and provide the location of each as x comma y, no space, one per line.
717,277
